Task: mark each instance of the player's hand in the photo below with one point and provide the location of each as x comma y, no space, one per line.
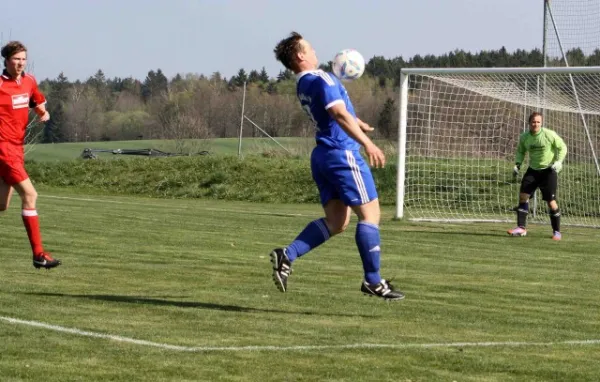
516,171
375,155
557,166
45,117
366,127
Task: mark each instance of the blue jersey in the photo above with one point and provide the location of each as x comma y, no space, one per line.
317,92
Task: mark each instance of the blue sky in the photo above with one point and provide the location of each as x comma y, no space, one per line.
130,37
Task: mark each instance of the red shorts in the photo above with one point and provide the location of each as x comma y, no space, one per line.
12,164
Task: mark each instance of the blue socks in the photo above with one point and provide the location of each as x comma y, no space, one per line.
367,240
368,243
315,234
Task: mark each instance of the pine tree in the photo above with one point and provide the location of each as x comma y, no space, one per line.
263,76
385,123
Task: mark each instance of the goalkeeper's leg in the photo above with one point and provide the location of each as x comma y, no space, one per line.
555,220
529,184
549,188
522,212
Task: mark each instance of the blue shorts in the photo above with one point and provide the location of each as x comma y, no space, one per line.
342,174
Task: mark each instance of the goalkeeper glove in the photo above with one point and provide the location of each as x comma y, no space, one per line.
557,166
516,170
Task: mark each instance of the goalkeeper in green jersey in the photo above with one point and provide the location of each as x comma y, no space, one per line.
546,154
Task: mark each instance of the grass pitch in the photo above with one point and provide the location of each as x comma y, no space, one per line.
190,281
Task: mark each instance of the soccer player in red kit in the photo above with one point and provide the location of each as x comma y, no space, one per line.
18,93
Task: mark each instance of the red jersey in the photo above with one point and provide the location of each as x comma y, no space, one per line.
16,97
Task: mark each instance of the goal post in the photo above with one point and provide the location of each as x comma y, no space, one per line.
458,133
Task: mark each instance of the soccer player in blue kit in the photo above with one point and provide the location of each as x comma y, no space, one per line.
343,178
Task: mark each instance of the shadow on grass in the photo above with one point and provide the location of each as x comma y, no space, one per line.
189,304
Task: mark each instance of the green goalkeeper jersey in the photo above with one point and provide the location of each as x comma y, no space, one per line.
544,148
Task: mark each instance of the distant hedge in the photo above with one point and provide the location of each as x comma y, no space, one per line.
254,178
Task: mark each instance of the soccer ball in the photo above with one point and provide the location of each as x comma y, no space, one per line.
348,65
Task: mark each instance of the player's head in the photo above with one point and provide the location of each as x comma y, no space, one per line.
535,122
296,54
15,57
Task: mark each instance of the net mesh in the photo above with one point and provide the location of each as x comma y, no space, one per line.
577,24
462,133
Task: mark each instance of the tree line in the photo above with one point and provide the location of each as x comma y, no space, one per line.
199,106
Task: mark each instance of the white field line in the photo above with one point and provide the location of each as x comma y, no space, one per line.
201,349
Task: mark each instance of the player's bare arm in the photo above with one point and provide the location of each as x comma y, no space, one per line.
352,127
42,113
364,126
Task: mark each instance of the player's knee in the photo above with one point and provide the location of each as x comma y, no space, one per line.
29,199
369,212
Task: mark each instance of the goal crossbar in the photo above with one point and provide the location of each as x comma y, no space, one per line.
525,70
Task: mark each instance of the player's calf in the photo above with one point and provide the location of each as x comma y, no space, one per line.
555,219
522,212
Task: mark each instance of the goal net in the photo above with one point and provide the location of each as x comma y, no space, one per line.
459,129
572,32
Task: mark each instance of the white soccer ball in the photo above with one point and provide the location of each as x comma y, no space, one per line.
348,65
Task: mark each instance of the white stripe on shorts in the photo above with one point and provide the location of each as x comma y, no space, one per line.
358,180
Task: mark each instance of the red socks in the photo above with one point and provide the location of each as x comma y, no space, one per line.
31,222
